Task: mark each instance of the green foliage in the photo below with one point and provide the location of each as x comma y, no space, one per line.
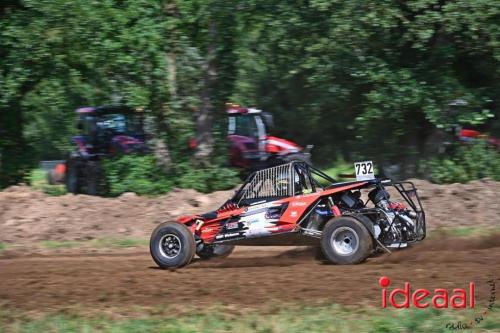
38,180
207,179
142,175
341,169
337,168
373,77
57,55
351,77
136,173
467,163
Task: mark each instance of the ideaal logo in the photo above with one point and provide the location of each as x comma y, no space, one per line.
457,298
421,298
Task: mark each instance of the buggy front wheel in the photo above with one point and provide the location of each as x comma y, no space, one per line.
172,245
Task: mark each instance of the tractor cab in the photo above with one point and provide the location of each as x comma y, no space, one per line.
109,130
251,146
247,133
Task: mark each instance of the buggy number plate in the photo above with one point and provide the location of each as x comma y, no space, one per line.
364,170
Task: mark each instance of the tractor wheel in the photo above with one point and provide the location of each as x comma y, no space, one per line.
346,241
51,178
216,251
172,245
72,179
93,178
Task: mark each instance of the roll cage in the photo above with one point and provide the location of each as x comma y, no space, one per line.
281,181
297,178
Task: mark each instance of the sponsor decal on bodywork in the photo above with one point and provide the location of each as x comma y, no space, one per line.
228,235
260,206
232,225
260,220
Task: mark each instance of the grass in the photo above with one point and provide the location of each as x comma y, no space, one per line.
323,319
95,243
341,170
52,244
38,180
3,246
117,242
465,232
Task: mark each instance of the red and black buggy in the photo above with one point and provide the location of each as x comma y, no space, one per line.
297,204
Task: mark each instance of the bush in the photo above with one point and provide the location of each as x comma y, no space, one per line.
209,179
142,175
37,178
467,163
135,173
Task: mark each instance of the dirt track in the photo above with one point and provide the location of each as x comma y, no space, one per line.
38,279
250,278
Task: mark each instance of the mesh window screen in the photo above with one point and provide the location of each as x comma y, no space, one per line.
272,182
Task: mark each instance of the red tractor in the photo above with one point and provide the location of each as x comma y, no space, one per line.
251,146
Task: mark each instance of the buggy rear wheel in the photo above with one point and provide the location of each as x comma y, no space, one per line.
346,241
172,245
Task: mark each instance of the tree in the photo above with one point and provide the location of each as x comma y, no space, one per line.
210,25
360,79
60,55
372,78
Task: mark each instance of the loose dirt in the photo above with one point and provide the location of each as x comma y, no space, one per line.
27,216
250,278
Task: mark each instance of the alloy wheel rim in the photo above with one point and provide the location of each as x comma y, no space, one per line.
170,246
345,241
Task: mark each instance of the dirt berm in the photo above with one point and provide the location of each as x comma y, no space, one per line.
27,215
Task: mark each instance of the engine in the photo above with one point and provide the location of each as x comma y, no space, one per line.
397,223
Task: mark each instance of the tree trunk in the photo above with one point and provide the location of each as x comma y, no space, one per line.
157,126
204,120
172,74
155,129
162,153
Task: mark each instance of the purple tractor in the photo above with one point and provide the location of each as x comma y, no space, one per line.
105,131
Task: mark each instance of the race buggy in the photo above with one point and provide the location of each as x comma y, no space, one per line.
297,204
